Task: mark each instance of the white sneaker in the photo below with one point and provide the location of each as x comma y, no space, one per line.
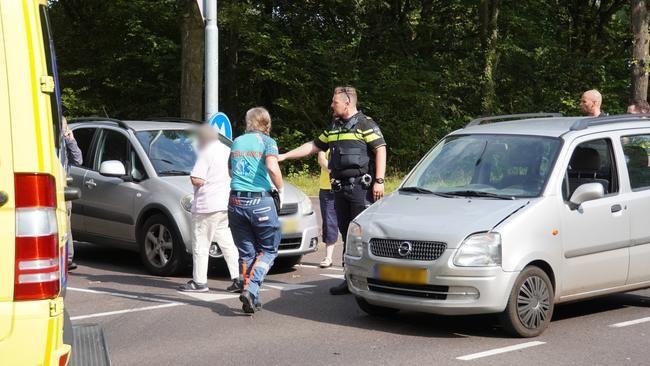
326,263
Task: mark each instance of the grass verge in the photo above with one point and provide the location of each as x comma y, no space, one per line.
308,183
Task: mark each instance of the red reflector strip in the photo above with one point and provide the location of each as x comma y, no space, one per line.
34,190
37,291
36,247
63,360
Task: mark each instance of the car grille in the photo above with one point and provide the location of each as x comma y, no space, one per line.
288,243
431,292
288,209
420,250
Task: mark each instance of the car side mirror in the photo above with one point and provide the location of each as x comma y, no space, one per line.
587,192
112,168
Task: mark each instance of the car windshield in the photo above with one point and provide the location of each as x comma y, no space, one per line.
171,152
488,166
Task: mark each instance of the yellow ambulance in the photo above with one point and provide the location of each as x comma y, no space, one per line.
33,222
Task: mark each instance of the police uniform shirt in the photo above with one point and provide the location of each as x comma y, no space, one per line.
359,135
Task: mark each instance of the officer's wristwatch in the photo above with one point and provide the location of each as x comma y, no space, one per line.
379,180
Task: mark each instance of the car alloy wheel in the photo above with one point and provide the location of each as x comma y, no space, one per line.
533,302
159,246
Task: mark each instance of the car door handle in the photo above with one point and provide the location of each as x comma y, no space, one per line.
71,193
90,183
616,208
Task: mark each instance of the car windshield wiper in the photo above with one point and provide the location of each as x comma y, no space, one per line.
424,191
173,172
470,193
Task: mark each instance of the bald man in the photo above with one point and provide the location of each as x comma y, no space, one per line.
590,103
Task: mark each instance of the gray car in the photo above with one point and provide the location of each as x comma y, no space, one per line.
511,217
136,193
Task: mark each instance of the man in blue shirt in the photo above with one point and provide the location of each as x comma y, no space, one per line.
251,210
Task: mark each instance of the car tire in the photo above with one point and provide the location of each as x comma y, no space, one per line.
530,305
161,249
287,262
374,310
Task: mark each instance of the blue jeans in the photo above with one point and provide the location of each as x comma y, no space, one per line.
256,230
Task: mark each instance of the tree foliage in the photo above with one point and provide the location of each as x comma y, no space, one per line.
419,64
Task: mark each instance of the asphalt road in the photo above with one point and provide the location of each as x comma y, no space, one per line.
147,322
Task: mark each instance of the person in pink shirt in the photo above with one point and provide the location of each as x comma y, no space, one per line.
211,183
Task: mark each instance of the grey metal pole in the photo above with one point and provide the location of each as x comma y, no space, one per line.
211,59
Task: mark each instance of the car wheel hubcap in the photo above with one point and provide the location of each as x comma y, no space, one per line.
158,245
214,250
533,302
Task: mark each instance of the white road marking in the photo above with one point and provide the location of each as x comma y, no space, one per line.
497,351
630,322
318,267
118,294
97,315
286,286
207,296
340,277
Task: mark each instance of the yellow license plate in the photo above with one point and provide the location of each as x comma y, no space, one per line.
290,226
413,276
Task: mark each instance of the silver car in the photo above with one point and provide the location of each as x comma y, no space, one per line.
136,193
511,217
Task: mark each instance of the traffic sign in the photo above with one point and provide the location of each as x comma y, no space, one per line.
221,122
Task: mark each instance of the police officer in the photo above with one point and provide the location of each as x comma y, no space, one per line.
357,161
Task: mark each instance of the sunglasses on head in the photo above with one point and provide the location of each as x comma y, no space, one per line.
344,90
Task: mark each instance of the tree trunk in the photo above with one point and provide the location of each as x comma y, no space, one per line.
489,14
640,50
193,43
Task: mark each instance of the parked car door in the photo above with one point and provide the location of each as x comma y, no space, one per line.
109,201
85,137
635,148
595,235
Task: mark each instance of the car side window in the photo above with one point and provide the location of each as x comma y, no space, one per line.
113,146
636,158
84,138
591,162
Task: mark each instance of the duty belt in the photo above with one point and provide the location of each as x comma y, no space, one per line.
338,184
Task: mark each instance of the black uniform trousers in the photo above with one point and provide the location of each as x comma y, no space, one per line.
349,202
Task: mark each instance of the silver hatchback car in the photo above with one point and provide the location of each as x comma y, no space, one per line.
511,217
136,193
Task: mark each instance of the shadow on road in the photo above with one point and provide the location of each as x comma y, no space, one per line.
316,304
600,305
343,310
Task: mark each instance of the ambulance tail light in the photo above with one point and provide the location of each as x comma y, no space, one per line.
37,271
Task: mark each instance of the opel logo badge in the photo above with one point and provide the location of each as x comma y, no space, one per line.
405,249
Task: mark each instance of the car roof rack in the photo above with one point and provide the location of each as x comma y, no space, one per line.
584,123
99,119
173,119
504,117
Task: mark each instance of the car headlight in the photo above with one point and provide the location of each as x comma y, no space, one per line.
306,207
354,244
479,250
186,202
